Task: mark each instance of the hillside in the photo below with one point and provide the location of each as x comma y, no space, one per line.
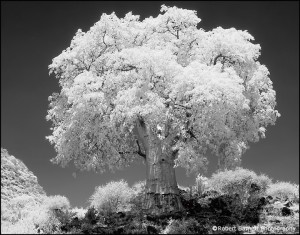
17,179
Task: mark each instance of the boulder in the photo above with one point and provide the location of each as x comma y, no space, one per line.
151,230
285,211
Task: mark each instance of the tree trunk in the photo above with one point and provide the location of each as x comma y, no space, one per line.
162,194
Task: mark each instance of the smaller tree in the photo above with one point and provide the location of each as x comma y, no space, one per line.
112,197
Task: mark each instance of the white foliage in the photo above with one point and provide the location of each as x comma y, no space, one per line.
284,191
80,212
205,91
112,197
26,214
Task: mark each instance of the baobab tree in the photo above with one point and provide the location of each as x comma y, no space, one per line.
162,90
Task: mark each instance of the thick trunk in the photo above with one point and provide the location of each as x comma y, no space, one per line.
162,194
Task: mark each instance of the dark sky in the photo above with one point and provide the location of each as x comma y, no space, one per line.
33,33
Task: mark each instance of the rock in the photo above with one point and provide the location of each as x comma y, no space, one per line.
192,206
16,179
262,202
151,230
210,193
275,221
75,223
221,205
277,203
288,204
121,214
119,231
285,211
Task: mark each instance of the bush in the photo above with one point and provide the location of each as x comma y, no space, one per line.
240,181
112,197
26,214
91,216
79,212
284,191
53,214
57,202
185,226
19,207
139,187
22,226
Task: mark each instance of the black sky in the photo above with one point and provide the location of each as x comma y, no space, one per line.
33,33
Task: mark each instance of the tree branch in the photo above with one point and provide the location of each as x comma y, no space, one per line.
128,68
217,57
104,33
139,152
225,59
190,132
182,106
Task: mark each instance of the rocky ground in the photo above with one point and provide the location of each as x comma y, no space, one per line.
202,215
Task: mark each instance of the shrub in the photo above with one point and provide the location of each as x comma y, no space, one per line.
284,191
57,202
22,226
185,226
64,216
79,212
139,187
54,212
91,215
26,214
19,207
239,181
112,197
48,223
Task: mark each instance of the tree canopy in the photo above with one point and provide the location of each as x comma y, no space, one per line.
197,90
